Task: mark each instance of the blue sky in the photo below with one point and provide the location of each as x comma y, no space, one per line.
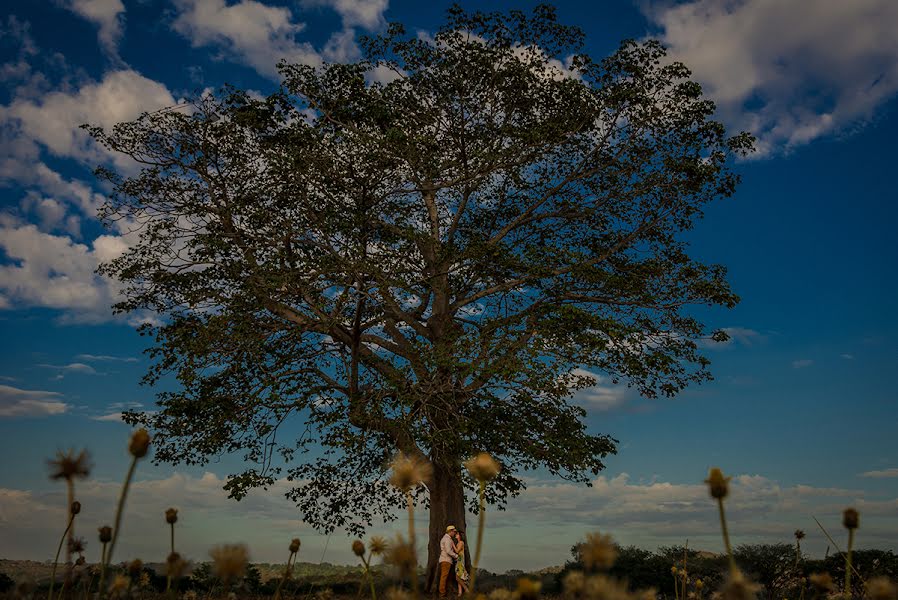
803,410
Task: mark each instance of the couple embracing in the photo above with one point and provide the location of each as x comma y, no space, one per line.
452,556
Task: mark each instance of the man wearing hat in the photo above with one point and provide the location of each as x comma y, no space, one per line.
447,555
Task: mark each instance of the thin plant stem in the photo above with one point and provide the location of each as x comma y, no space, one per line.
121,508
676,587
833,542
168,578
287,569
102,568
481,520
726,538
848,563
411,540
367,564
58,551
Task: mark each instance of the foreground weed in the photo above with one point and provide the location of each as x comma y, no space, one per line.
358,548
850,519
171,517
408,472
483,468
138,446
229,562
719,487
291,560
74,509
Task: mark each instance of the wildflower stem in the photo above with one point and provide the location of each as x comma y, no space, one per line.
168,579
58,550
367,564
839,550
287,569
726,538
676,587
481,520
411,539
685,572
848,563
102,568
120,509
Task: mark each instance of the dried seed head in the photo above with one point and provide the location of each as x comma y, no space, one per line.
294,545
139,444
799,534
171,516
483,467
599,551
105,534
135,567
401,555
500,594
573,583
75,508
358,548
76,545
80,562
528,589
718,485
606,588
699,584
398,594
823,582
409,471
377,545
881,588
68,465
674,570
850,518
119,585
229,561
738,587
175,566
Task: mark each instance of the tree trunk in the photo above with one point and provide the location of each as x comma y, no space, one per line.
447,507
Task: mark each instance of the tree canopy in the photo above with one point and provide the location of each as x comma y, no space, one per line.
429,250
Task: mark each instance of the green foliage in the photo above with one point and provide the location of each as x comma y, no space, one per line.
420,265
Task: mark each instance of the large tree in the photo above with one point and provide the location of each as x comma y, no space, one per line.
427,251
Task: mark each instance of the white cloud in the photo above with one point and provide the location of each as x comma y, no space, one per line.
802,363
105,358
54,271
355,13
884,473
248,31
15,402
602,396
111,417
789,72
53,119
108,15
71,368
847,356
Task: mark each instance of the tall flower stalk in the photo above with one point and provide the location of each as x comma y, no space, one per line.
291,560
74,509
719,487
70,466
850,519
171,517
138,447
408,472
483,468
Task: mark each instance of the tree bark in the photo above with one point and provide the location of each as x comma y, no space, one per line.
447,507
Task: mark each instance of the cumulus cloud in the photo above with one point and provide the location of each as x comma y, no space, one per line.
15,402
107,15
54,271
602,395
882,474
355,13
248,31
71,368
790,72
53,119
